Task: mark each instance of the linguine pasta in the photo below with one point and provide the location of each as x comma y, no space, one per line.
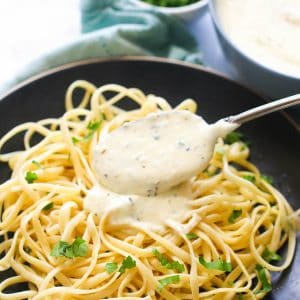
225,250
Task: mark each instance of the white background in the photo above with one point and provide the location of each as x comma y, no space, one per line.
29,28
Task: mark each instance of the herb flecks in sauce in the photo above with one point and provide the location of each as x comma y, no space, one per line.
166,148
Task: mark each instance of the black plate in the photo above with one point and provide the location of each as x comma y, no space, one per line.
275,143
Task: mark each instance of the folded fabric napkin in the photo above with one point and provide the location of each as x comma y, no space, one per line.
117,28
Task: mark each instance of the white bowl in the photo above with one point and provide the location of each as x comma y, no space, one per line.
264,79
186,13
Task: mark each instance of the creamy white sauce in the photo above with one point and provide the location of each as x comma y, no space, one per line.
144,167
151,155
266,30
151,212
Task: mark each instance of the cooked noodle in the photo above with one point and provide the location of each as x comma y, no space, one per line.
65,174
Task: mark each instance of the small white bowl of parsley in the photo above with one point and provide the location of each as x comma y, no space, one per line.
186,10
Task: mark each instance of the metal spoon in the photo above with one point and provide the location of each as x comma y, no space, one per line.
262,110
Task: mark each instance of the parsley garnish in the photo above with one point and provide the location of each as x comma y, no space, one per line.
172,265
128,263
233,137
78,248
216,265
236,213
48,206
31,177
262,276
75,140
269,255
111,267
92,127
191,236
267,178
250,178
170,3
168,280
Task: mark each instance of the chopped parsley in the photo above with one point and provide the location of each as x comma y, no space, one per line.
168,280
48,206
233,137
269,255
31,177
216,265
191,236
78,248
170,3
75,140
262,276
128,263
236,213
267,178
172,265
111,267
92,127
250,178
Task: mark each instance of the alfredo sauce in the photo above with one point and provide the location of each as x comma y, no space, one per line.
266,30
141,167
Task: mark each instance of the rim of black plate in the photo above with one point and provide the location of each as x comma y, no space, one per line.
88,61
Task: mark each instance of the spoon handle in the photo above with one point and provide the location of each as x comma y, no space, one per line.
262,110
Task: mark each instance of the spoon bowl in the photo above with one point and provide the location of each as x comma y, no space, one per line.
153,154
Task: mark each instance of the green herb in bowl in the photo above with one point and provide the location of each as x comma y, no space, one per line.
170,3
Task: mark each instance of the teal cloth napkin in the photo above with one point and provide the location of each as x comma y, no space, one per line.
117,28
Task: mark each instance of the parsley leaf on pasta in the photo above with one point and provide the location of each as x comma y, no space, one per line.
172,265
168,280
60,249
191,236
92,127
233,137
111,267
236,213
78,248
128,263
75,140
269,255
262,276
250,178
48,206
31,177
216,265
